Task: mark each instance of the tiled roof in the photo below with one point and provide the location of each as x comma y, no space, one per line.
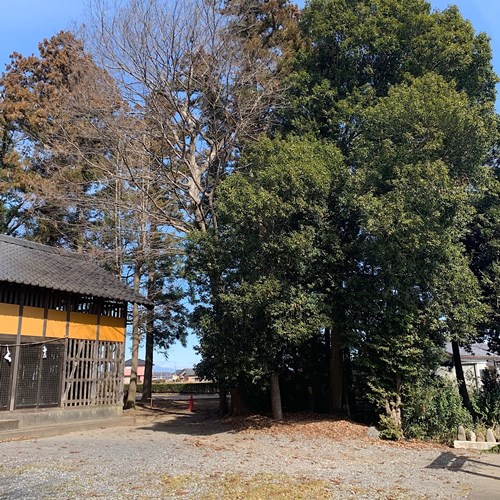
475,351
28,263
129,362
187,372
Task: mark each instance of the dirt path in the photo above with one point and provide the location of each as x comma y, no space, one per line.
172,453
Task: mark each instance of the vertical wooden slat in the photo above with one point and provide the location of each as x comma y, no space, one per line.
85,372
64,372
17,354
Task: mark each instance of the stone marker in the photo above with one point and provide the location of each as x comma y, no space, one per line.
461,433
490,437
480,437
472,436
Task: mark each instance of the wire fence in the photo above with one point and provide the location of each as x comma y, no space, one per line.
60,372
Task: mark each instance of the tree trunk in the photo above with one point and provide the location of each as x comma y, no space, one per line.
223,407
136,340
150,342
393,409
462,386
336,372
132,388
347,382
238,401
310,399
276,397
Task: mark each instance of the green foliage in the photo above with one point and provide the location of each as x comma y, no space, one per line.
262,259
425,120
433,411
389,429
483,246
487,399
414,209
355,51
181,388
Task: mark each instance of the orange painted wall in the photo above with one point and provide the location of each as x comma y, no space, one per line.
32,324
112,329
9,318
83,326
56,324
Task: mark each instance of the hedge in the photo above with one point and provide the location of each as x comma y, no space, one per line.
181,388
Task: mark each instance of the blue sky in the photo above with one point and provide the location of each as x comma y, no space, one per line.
24,23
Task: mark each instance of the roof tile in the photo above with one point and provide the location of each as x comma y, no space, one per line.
28,263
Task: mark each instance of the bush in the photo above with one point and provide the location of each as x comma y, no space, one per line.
433,411
487,399
389,429
181,388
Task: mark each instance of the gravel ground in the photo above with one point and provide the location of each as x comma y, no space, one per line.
171,453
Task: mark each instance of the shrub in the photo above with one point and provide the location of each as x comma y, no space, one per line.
433,410
389,429
487,399
181,387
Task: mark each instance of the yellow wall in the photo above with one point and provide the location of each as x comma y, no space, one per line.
56,324
9,318
32,321
112,329
83,326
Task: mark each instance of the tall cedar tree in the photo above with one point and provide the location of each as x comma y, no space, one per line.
354,52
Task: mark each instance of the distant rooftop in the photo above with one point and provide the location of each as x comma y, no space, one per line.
477,351
129,362
188,372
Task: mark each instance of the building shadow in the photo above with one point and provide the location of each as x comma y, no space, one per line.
464,464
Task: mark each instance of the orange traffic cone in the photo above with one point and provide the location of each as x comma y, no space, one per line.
191,403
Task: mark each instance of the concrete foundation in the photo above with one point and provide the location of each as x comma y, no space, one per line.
471,445
57,416
25,424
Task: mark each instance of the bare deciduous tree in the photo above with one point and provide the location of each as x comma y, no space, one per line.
182,68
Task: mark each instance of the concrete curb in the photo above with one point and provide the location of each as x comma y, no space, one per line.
474,445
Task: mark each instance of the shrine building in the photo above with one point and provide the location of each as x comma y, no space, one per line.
62,330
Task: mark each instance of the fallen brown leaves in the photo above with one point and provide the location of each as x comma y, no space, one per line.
308,425
312,426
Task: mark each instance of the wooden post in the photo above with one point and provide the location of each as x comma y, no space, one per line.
17,354
40,357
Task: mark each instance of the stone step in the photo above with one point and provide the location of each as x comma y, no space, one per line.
7,425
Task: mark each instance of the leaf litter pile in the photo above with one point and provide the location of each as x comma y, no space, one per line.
306,424
314,426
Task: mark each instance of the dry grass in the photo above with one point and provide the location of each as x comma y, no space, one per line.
240,486
269,487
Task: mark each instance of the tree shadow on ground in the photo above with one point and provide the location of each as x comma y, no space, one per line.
461,463
173,416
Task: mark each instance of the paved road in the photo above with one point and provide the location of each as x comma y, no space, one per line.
485,470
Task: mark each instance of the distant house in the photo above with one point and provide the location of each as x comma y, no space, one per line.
62,332
185,375
473,362
127,372
162,375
